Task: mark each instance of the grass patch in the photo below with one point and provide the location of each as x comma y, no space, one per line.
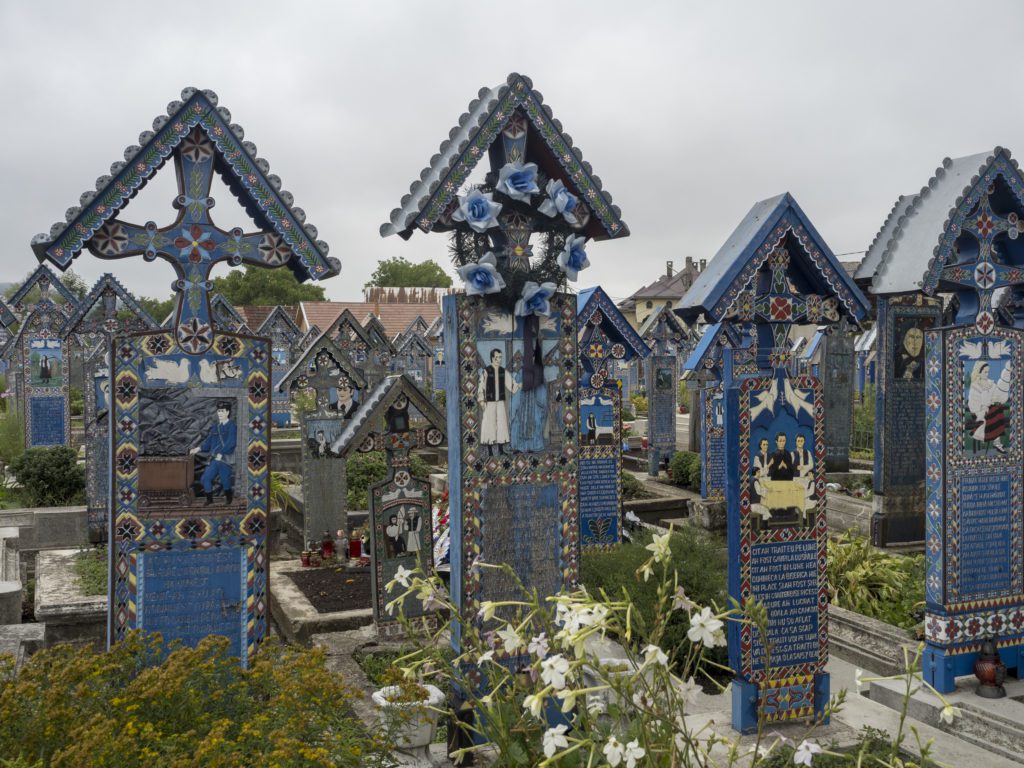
90,569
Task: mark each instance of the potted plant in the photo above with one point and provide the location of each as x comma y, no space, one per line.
408,711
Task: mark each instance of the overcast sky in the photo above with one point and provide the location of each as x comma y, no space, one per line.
689,112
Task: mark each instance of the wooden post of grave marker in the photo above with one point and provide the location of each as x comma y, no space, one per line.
510,351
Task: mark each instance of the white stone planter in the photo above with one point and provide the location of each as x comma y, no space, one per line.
411,725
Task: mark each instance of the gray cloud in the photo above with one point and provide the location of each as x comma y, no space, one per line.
688,112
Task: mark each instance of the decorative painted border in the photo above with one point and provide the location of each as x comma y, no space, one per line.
747,538
742,282
1001,165
133,533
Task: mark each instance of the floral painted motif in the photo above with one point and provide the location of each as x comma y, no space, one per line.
193,241
111,239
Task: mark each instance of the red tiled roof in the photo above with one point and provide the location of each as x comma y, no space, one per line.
395,317
255,315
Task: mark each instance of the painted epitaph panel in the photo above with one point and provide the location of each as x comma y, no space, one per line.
900,418
44,377
837,387
975,533
181,564
662,389
600,463
512,453
777,546
606,341
96,375
712,443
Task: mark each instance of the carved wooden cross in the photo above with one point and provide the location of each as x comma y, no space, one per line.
978,275
192,243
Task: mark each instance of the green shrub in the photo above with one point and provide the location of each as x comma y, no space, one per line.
874,583
684,469
12,436
50,477
627,413
632,488
701,566
367,469
70,707
639,404
76,403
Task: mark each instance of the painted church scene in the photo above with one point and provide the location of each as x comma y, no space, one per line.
599,397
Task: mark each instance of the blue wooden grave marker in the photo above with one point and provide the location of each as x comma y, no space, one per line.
962,235
605,340
284,337
338,387
775,271
107,311
510,345
191,403
397,417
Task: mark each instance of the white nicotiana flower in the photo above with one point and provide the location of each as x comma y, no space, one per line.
680,602
688,690
487,609
613,750
534,703
633,753
554,670
486,656
659,546
510,639
401,577
858,676
805,752
654,654
643,700
539,645
948,714
554,740
568,697
704,628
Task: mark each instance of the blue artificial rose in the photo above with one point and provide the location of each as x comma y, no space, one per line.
482,277
535,300
573,259
478,210
518,181
560,200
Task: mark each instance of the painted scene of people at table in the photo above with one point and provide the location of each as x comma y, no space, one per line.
782,457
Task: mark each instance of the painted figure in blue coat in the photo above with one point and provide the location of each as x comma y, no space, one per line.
219,445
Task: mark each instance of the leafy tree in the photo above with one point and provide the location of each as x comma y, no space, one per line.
262,286
398,272
71,280
158,309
